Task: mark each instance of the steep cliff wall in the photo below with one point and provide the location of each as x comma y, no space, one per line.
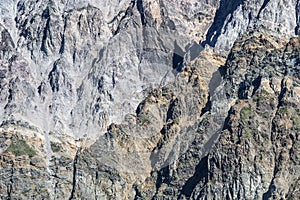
149,99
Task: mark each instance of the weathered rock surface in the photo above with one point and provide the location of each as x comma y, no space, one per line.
149,99
83,65
256,156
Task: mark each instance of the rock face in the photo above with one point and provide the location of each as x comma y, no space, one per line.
149,99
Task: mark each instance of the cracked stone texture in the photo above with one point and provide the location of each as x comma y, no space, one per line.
81,65
149,99
255,156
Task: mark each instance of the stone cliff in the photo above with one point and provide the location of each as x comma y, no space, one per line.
149,99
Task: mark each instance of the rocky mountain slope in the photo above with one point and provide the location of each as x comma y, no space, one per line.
149,99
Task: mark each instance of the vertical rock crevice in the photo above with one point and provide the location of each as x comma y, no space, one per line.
11,182
74,179
262,8
140,8
46,31
297,10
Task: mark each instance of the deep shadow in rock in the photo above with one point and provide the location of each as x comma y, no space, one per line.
178,55
201,172
227,7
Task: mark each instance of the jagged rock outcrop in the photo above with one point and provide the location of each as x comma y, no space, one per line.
90,64
256,156
149,99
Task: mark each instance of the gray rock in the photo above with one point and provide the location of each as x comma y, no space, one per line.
149,99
